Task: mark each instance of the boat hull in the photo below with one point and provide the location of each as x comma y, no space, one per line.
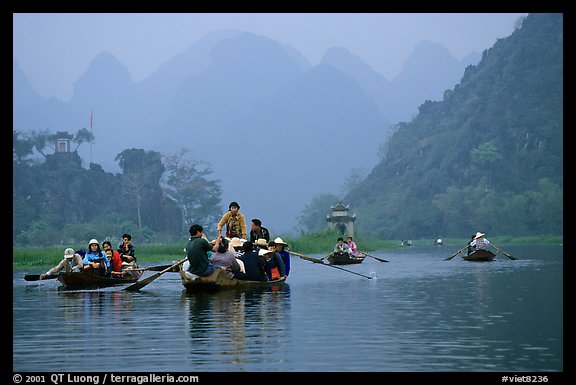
480,256
222,282
344,259
84,280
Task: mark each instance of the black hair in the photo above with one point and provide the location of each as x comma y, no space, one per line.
247,246
107,243
127,236
194,229
235,204
257,222
341,239
223,246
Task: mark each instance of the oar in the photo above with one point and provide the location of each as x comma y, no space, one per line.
156,268
324,257
371,256
36,277
456,253
503,252
140,284
316,260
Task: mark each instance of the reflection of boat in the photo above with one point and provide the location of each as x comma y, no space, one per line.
344,259
223,282
85,280
479,256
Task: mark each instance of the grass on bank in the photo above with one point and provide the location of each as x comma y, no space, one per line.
321,242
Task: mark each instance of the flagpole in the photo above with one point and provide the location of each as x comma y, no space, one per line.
92,134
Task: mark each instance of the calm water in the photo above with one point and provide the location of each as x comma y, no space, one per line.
421,314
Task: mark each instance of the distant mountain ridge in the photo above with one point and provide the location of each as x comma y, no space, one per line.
246,104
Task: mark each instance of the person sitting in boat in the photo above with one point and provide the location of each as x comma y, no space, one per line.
275,267
280,245
95,259
114,258
341,247
480,242
71,262
261,243
258,232
236,245
126,249
225,258
352,248
234,221
197,251
254,265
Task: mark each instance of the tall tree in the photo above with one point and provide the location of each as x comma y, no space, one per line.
187,184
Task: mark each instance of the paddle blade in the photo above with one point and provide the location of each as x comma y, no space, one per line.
140,284
36,277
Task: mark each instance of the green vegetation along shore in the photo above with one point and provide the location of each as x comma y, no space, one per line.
309,243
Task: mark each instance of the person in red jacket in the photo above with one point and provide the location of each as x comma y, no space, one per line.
115,260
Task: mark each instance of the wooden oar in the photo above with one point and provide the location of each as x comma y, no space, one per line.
371,256
156,268
140,284
36,277
456,253
324,257
316,260
503,252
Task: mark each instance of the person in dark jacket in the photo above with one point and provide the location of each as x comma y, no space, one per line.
126,249
254,265
274,264
258,232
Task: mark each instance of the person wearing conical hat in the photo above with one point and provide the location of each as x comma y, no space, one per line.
480,242
280,245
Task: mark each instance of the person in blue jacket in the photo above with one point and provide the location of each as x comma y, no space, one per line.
95,259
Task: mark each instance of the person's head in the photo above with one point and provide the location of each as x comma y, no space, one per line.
106,245
93,245
261,243
109,253
280,244
340,240
479,235
196,230
256,224
247,246
350,239
126,238
234,207
272,246
69,253
223,246
236,243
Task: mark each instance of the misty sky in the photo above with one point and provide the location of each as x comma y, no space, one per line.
54,50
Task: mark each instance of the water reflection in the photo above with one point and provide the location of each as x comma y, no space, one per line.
238,327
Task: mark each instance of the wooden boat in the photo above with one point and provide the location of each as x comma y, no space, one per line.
344,259
223,282
86,280
479,256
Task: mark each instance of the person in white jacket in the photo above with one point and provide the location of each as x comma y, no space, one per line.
71,262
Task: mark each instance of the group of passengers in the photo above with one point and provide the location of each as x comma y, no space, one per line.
239,255
102,260
346,247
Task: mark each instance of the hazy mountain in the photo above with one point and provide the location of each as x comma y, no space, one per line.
23,94
253,108
488,156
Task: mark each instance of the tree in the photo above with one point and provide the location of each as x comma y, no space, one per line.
313,216
82,136
187,184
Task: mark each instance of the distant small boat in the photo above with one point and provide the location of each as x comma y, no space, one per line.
479,256
344,259
224,282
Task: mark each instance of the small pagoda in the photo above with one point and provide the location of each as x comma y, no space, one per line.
341,220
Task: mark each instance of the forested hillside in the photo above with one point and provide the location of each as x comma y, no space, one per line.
487,157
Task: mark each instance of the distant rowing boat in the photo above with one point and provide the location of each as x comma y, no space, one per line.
344,259
479,256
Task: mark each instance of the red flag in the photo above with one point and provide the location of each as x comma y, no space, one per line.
90,120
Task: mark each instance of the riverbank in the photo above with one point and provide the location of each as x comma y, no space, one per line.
312,243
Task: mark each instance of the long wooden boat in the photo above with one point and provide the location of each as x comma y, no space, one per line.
86,280
479,256
223,282
344,259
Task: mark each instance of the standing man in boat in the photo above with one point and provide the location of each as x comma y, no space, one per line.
480,242
258,232
234,221
71,262
197,251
